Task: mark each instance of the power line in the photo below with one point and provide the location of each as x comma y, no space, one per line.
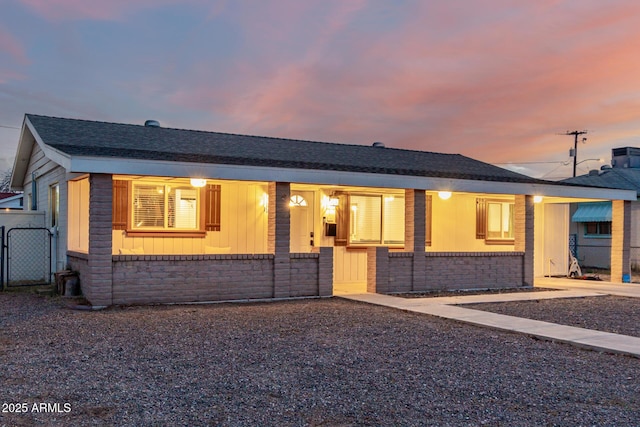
529,163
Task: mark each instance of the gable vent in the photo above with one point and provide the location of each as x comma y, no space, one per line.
152,124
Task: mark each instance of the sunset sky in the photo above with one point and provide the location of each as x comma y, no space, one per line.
496,80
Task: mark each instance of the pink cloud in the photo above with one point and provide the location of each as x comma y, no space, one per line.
99,10
13,47
9,75
498,85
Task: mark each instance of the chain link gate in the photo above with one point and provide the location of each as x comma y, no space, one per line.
28,256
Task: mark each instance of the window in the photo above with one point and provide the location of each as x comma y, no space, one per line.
165,207
376,220
495,221
597,229
54,201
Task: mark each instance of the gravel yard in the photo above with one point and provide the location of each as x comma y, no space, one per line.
614,314
326,362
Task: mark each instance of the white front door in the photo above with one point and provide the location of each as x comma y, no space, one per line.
301,205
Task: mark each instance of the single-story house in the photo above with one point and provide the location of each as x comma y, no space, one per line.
148,214
591,222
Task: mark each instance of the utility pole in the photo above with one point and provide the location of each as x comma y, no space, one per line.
575,133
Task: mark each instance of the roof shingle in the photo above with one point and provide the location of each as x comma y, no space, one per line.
112,140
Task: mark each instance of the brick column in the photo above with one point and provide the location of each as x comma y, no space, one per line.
415,234
620,239
325,272
524,235
279,237
98,283
377,269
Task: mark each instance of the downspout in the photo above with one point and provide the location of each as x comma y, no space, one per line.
34,192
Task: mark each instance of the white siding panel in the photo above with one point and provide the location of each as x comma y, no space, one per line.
349,266
454,226
48,173
78,215
243,227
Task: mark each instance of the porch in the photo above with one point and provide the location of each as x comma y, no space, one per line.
257,240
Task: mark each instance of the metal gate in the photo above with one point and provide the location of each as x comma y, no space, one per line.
28,258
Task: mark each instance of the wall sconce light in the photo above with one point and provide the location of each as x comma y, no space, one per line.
198,182
537,199
444,195
334,201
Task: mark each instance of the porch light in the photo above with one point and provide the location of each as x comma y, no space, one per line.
537,199
444,195
334,201
198,182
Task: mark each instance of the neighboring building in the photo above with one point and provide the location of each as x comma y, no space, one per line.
147,214
11,201
592,222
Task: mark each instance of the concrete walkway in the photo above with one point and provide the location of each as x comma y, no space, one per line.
445,307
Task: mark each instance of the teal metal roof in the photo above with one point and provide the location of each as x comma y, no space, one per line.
592,212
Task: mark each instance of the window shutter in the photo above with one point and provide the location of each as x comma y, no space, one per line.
481,218
428,212
120,204
212,208
342,221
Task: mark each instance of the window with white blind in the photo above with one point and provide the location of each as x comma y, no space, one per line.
165,207
376,220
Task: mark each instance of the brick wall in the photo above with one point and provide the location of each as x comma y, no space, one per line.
278,236
401,271
79,262
473,270
147,279
304,275
97,287
389,272
524,235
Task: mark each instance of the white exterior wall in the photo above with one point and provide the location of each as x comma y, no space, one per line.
243,227
453,226
48,173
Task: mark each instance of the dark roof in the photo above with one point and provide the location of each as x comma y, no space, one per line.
112,140
621,178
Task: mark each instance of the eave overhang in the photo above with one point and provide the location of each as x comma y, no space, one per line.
28,138
121,166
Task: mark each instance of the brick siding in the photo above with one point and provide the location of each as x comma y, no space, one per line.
474,270
390,272
148,279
